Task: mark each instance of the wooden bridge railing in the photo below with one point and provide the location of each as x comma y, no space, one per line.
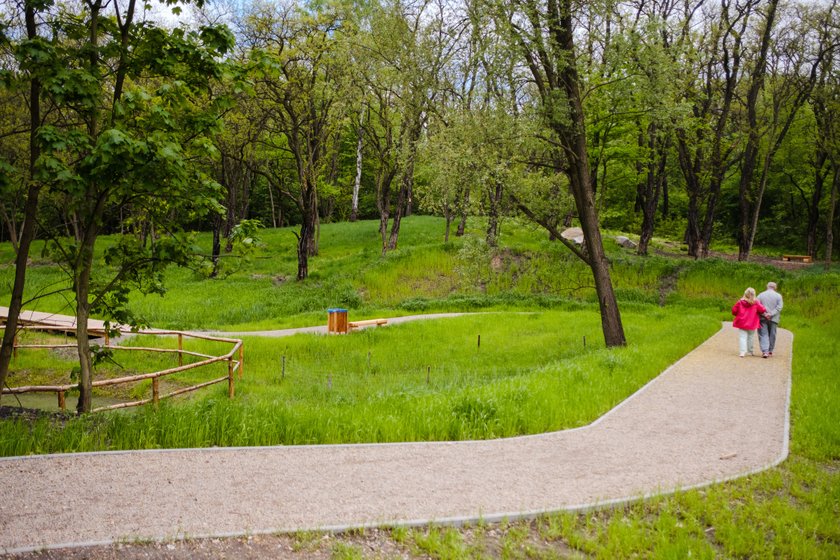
234,366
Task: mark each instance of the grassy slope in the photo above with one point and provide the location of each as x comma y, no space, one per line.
790,511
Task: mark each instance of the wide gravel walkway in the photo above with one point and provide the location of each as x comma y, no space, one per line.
711,416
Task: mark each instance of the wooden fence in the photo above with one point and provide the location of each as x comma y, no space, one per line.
233,366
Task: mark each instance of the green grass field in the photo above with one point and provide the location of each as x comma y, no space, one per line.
430,380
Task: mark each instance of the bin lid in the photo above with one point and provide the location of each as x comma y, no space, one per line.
336,310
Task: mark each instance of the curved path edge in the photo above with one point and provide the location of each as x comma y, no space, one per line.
725,418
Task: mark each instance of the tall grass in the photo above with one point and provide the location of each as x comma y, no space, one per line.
431,380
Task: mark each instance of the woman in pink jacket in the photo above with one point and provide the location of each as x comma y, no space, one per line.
747,312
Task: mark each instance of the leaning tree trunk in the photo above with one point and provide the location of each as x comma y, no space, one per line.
402,207
572,134
30,210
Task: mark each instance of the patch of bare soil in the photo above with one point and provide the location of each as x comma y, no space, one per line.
30,414
374,544
668,284
496,540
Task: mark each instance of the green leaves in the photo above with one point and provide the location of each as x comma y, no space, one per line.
217,39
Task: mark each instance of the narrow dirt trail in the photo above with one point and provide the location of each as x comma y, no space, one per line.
710,417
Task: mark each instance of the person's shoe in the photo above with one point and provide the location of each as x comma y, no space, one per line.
741,354
769,353
765,355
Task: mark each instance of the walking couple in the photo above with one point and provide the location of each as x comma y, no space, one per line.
758,312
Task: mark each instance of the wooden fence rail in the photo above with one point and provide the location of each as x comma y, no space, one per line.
234,365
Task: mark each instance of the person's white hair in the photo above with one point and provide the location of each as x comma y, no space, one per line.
771,285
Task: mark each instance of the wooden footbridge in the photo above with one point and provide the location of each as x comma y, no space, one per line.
55,322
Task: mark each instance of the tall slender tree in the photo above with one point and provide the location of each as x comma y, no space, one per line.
544,35
303,70
31,56
117,138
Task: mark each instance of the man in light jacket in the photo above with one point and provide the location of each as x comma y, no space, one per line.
772,300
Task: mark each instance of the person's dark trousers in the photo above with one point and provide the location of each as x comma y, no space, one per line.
767,336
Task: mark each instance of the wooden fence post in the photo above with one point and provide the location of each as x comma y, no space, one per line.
62,404
180,349
230,378
155,390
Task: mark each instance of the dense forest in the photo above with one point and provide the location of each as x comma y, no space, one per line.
705,121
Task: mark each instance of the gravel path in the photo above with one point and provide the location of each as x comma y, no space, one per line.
322,329
710,417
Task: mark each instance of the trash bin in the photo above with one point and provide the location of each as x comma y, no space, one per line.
336,320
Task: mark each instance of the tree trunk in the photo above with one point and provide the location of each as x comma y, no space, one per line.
650,188
814,206
759,198
573,139
447,214
271,201
832,208
493,215
315,240
82,282
402,208
357,184
30,211
383,204
821,170
393,239
462,223
705,241
216,250
383,229
309,222
689,166
303,252
11,227
750,157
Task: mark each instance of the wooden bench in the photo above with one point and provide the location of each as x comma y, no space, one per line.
797,258
368,323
